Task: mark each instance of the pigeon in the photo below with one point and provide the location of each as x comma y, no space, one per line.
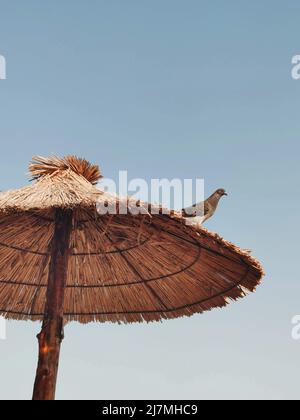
199,213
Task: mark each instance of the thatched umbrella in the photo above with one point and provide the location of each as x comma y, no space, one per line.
61,261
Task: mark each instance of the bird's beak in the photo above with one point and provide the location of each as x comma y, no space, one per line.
225,193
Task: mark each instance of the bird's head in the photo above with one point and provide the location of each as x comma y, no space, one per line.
220,192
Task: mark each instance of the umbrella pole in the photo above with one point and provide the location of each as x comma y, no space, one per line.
51,335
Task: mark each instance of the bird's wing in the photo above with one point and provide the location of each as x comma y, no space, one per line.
199,209
206,207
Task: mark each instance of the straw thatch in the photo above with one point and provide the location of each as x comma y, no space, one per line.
122,268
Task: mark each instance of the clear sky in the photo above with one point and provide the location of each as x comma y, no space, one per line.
166,88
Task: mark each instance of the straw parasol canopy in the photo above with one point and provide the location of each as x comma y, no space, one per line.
121,268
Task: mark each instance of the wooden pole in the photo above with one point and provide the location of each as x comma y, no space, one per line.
51,335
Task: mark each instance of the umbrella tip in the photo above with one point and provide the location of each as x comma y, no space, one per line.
43,166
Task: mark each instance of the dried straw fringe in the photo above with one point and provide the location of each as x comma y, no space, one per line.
42,166
171,271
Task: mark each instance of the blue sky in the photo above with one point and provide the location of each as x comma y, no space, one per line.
166,89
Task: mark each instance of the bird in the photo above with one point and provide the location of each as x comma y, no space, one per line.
199,213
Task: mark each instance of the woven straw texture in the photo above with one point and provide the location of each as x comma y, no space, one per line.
122,268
